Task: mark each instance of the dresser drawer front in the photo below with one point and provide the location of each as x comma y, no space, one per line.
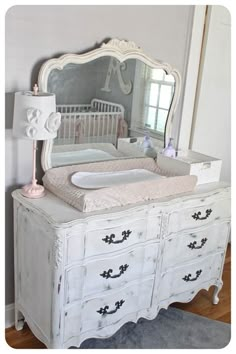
109,273
103,311
200,215
106,236
190,245
190,276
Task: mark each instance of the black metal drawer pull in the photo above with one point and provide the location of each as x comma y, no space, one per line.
103,311
110,239
107,274
188,277
193,246
197,216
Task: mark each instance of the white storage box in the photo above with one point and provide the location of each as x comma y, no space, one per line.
188,162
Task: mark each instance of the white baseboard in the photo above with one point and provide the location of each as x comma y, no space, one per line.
9,315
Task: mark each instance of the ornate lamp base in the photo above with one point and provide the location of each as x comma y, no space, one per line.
33,190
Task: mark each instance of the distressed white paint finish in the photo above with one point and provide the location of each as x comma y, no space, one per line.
172,281
58,284
91,277
194,244
141,228
136,296
121,50
185,218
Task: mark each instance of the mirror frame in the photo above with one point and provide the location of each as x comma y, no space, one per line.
121,50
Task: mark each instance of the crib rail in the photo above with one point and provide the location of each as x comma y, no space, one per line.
99,127
89,123
106,106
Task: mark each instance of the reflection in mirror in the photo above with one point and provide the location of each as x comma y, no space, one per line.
153,94
105,99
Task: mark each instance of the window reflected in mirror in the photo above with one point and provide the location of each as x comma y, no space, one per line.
158,90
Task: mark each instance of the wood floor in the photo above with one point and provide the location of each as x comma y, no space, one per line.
201,305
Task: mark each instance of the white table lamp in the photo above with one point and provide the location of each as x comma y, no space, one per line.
35,118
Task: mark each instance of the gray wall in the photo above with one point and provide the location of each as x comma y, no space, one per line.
116,95
37,33
75,84
80,83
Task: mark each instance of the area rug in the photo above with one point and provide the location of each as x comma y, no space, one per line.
171,329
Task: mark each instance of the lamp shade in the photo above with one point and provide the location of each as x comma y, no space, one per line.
35,116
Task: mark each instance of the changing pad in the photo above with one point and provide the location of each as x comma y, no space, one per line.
58,181
98,180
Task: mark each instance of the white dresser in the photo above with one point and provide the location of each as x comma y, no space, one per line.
79,275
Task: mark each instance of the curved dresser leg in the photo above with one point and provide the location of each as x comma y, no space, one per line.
19,320
217,289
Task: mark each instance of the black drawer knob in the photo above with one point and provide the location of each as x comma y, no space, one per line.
188,277
110,239
104,310
193,245
197,216
107,274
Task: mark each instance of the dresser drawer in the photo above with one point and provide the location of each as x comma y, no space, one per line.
111,272
103,311
201,214
109,235
190,276
190,245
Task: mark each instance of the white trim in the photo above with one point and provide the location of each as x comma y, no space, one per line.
9,315
192,76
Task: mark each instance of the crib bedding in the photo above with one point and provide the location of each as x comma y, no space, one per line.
58,181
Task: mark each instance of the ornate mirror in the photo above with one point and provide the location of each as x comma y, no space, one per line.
111,93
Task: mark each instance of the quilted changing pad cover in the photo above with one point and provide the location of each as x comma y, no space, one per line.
58,181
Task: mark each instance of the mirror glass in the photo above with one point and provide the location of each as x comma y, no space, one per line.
103,100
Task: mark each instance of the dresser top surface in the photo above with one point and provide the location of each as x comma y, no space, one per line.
58,212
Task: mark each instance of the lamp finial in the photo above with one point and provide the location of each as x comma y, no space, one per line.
35,89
